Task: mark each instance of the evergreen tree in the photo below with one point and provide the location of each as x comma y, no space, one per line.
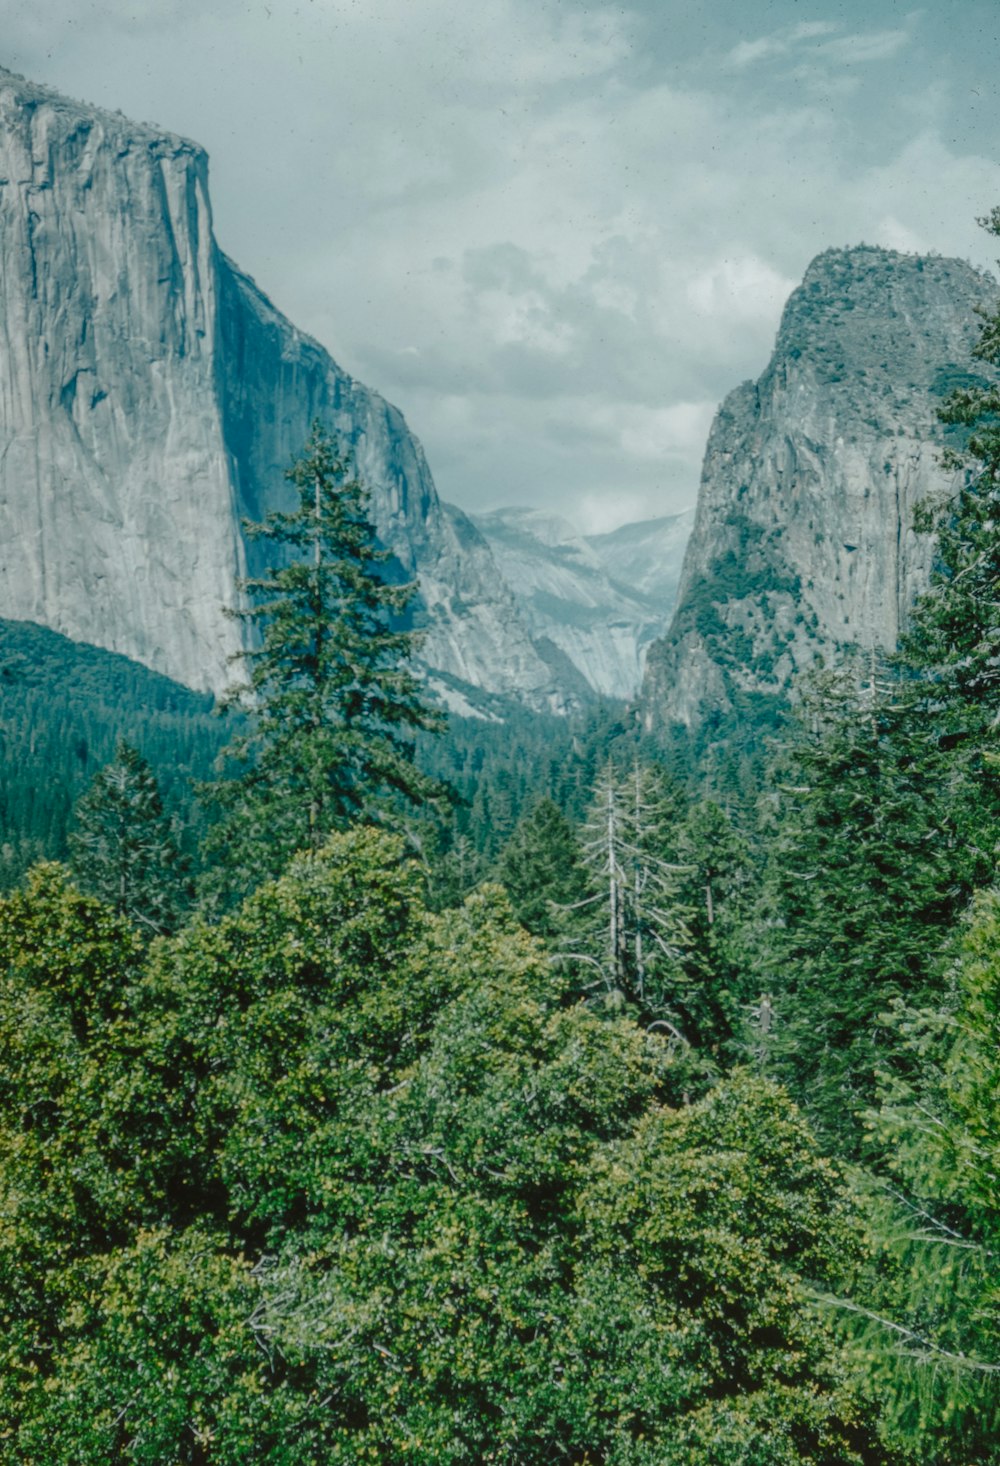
337,1180
541,868
878,847
123,848
332,698
928,1317
455,869
719,886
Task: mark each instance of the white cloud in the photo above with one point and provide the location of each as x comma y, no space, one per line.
820,41
748,53
554,254
862,48
894,235
742,287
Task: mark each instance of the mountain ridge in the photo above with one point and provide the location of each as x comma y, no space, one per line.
153,397
803,541
601,622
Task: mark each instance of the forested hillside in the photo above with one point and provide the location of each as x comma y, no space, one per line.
63,706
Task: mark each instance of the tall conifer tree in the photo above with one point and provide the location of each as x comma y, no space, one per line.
331,695
541,867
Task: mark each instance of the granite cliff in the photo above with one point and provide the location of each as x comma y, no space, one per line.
151,398
803,540
600,599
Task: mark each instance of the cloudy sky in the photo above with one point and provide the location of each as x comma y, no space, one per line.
554,232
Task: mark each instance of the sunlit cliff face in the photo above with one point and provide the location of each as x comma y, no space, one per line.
803,539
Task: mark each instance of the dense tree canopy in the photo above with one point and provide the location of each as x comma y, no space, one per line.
123,847
335,1179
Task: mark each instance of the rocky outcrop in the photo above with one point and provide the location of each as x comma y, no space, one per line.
600,600
803,540
151,397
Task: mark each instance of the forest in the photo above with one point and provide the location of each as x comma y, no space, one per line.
382,1090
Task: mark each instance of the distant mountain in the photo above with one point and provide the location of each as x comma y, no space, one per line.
600,600
803,541
647,556
151,397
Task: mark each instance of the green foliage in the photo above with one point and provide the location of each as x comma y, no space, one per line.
501,770
63,707
929,1330
704,1208
719,887
632,928
123,846
882,835
658,920
331,695
541,869
336,1179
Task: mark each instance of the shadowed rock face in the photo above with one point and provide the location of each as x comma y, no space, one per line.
151,397
803,540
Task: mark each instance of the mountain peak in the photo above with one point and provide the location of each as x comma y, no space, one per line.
803,540
17,91
153,399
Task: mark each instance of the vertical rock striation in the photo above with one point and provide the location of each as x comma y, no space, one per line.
803,540
151,397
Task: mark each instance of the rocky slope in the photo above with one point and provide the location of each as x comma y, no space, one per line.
151,397
647,556
600,600
803,539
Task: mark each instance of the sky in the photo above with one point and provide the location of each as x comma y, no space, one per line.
555,233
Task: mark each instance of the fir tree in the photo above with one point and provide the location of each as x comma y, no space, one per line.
123,848
878,846
928,1316
541,867
718,892
331,694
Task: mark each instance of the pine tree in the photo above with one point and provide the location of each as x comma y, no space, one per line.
331,695
541,868
928,1315
719,887
881,839
123,848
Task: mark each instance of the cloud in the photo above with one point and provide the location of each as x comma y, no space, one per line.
820,41
740,287
779,43
555,249
860,49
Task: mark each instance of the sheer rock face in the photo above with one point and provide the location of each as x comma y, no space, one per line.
151,397
600,600
803,540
